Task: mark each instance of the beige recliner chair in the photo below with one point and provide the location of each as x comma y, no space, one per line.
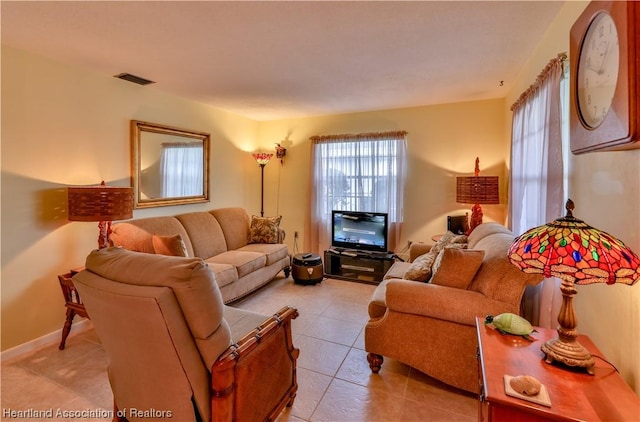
175,351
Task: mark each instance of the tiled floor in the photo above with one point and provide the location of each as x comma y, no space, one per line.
335,383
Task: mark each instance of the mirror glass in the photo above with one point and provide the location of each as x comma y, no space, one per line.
169,165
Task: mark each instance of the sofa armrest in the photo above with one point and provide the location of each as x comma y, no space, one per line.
417,249
441,302
264,356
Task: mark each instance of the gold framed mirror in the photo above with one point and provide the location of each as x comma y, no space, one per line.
169,165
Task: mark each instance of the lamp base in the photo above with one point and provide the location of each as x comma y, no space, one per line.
476,218
570,353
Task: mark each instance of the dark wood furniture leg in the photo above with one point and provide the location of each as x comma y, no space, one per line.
375,362
72,302
67,327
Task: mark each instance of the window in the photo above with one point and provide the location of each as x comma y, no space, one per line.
181,169
358,173
539,147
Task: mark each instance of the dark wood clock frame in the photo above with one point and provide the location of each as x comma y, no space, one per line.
620,127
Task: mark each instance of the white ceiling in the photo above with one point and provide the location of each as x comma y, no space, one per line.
274,59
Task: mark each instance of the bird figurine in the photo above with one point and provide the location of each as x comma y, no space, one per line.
508,323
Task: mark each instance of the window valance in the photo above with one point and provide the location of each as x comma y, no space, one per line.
372,136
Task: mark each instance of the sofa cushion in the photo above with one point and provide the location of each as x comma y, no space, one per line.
137,235
420,268
205,233
484,230
274,252
234,222
225,273
264,229
244,261
169,245
397,270
449,238
497,276
456,267
241,322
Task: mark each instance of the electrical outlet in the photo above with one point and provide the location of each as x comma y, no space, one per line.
295,234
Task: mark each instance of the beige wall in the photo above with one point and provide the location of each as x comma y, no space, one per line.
605,187
63,126
443,142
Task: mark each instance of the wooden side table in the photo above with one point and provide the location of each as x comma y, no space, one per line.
73,303
574,394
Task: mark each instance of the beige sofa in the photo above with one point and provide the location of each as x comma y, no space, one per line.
175,352
431,325
220,237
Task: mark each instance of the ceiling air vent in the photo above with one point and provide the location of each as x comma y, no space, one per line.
133,78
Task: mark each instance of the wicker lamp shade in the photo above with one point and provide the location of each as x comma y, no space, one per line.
477,190
100,203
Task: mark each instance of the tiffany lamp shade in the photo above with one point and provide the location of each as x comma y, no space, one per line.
570,249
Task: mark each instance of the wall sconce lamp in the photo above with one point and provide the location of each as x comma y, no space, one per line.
100,203
477,190
280,153
570,249
262,158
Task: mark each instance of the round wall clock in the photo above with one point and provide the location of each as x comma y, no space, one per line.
598,66
604,81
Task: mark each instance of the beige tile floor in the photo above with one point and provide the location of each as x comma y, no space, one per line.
335,383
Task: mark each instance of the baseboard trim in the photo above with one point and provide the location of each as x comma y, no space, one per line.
54,337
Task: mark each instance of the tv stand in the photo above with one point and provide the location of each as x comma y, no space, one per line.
355,265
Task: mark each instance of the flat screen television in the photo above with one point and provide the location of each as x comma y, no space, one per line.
366,231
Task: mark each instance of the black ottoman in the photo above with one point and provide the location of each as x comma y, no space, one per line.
307,269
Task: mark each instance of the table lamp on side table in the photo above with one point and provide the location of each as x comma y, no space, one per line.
477,190
100,203
570,249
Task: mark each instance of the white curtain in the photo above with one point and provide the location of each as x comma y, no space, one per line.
364,172
537,176
181,169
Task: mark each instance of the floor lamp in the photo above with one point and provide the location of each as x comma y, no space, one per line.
100,203
262,158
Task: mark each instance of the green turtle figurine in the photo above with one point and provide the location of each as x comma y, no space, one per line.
508,323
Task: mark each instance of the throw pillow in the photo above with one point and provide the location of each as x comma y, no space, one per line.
169,245
264,229
450,238
456,267
420,268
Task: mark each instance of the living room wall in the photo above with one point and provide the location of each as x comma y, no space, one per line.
443,142
605,187
66,126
